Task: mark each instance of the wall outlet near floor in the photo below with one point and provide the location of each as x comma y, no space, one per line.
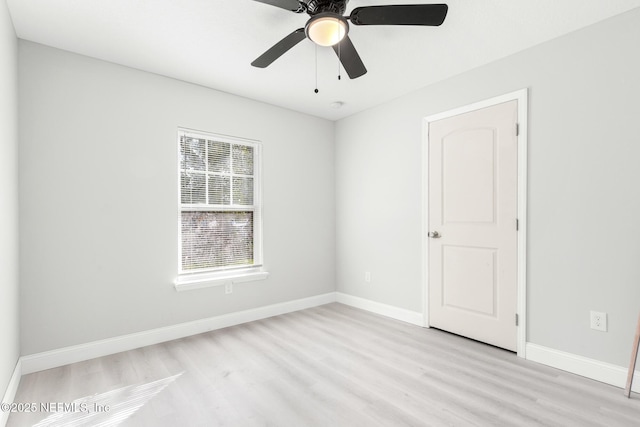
599,321
367,276
228,288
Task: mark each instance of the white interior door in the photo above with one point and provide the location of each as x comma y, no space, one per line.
472,266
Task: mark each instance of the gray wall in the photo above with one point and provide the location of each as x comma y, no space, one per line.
584,192
9,325
98,199
98,194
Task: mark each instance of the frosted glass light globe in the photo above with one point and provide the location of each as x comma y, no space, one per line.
327,30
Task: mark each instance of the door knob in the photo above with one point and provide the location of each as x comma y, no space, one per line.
434,235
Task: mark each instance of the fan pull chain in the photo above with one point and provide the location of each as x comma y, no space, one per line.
339,61
339,55
316,90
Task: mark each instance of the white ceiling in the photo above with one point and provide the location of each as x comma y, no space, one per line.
213,42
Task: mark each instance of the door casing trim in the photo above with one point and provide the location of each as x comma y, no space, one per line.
522,97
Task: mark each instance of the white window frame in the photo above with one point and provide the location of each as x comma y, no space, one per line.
223,276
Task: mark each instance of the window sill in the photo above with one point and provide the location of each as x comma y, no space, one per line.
207,280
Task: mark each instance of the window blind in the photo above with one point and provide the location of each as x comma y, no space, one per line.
218,213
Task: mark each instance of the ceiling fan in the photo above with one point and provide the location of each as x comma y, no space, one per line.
328,27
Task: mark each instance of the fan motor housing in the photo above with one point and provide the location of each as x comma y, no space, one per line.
323,6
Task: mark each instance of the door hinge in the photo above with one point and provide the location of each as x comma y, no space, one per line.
517,319
517,129
517,224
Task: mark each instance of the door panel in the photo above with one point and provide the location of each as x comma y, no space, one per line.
468,176
481,298
473,207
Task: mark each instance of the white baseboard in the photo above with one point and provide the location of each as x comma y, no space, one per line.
77,353
401,314
10,393
579,365
590,368
583,366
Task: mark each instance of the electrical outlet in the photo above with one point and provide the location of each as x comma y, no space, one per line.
228,288
599,321
367,276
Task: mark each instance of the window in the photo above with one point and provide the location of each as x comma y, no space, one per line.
220,209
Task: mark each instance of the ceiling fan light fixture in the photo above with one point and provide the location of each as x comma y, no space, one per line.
327,29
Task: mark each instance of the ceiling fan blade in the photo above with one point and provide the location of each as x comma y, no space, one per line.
278,49
292,5
401,14
349,58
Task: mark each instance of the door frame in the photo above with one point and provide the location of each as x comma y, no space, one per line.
521,304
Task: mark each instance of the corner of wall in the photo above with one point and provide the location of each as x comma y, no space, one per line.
9,303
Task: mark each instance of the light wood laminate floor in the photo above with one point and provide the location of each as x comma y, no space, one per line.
332,365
